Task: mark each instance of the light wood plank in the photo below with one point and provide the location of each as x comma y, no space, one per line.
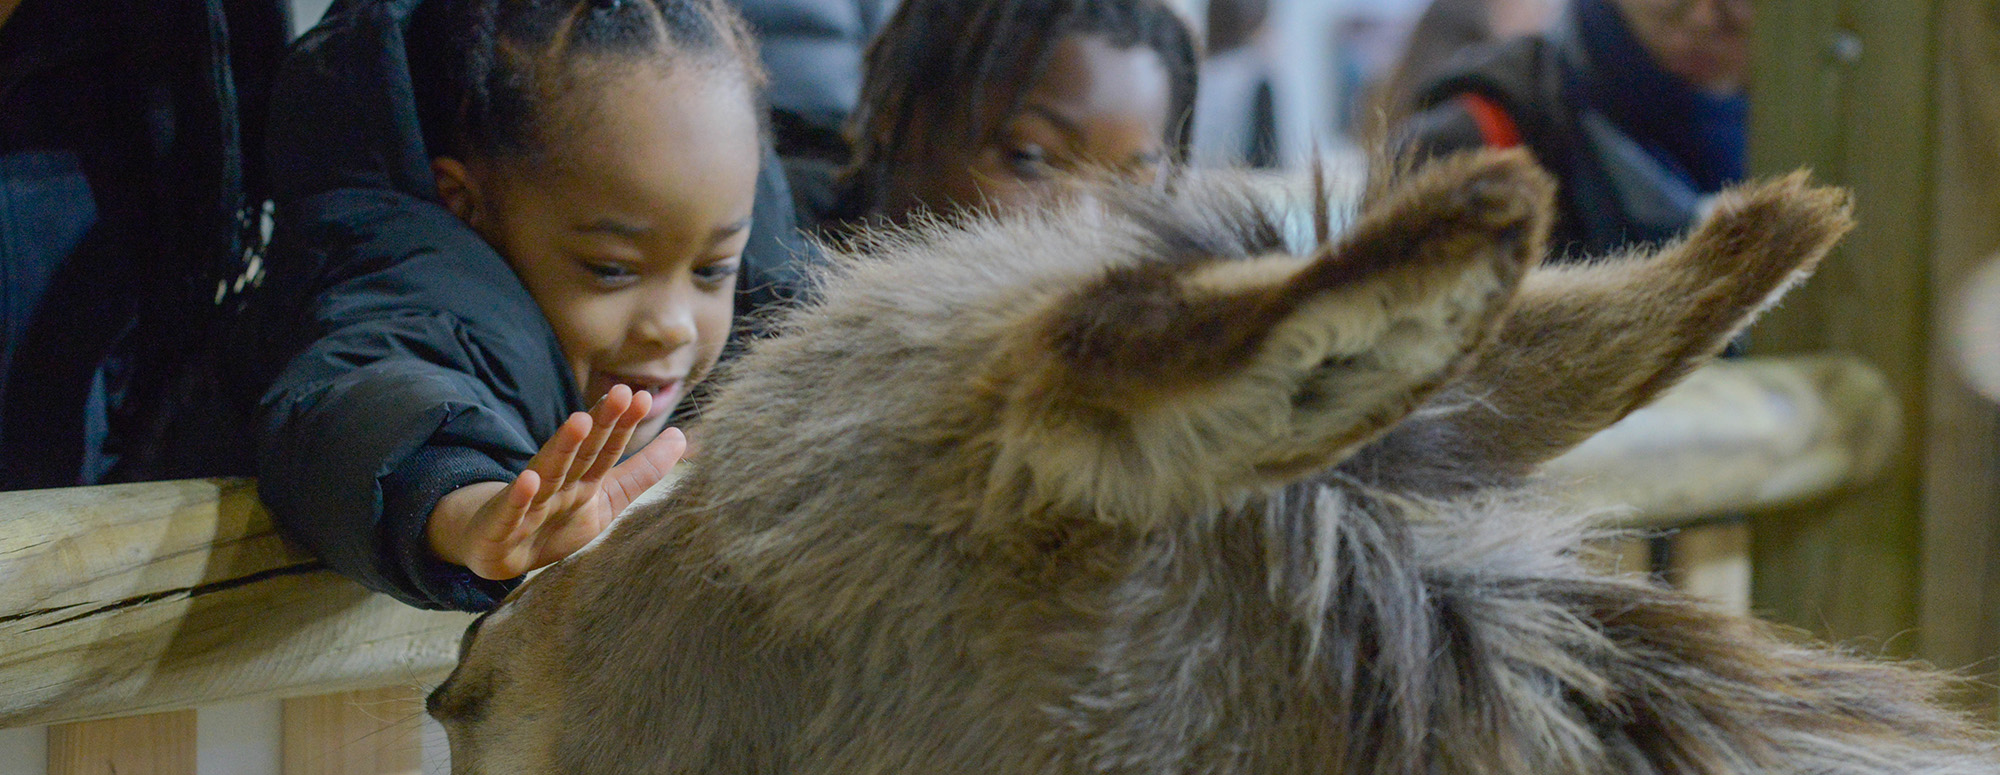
137,598
354,733
1622,555
1743,435
1713,560
156,744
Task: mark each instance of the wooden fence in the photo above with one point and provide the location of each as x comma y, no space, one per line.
135,602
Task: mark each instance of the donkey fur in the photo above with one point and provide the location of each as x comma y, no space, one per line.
1128,487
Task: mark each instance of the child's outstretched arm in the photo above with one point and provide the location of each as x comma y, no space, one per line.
570,492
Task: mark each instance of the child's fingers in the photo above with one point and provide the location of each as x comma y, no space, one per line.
605,419
501,526
614,447
556,456
643,470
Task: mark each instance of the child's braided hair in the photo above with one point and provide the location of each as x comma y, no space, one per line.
486,72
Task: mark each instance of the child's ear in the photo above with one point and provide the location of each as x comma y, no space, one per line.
457,189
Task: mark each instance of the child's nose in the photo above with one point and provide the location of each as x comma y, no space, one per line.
666,321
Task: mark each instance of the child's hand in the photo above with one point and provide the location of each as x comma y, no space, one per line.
571,491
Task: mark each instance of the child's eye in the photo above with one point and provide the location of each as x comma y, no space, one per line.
610,274
715,274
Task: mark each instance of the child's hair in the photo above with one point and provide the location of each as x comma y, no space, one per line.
485,72
947,54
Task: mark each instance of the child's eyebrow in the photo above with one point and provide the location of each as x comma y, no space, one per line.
615,227
723,233
618,228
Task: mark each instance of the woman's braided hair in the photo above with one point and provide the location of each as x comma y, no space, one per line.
951,56
488,73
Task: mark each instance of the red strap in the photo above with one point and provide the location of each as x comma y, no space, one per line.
1494,124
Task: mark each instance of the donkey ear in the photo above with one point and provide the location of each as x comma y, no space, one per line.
1588,343
1164,386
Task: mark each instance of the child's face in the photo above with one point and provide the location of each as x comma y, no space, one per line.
630,238
1097,109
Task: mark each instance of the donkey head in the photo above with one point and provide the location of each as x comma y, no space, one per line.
917,499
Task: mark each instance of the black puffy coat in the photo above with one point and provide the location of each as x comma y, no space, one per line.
403,358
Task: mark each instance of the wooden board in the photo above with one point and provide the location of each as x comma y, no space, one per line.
354,733
1743,435
1959,622
1901,101
157,744
133,598
1713,560
1846,87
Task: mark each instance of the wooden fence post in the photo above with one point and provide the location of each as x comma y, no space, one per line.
157,744
1898,101
354,733
1844,87
1960,614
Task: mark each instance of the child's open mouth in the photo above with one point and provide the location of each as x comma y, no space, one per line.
666,391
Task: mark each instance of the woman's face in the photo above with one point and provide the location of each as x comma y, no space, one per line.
630,236
1513,18
1096,110
1705,42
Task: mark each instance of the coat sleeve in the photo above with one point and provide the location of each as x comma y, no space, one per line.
1441,130
401,359
362,434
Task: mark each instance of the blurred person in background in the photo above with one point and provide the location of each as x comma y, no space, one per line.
1637,106
989,104
813,51
1445,30
130,204
1235,115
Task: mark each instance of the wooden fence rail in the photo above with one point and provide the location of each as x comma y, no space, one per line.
134,598
131,599
1741,436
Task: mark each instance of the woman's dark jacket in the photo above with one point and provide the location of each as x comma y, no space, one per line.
129,195
1635,150
403,357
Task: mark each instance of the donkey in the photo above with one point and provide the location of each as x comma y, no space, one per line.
1127,486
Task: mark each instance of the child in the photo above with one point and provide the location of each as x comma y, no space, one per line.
494,213
990,103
